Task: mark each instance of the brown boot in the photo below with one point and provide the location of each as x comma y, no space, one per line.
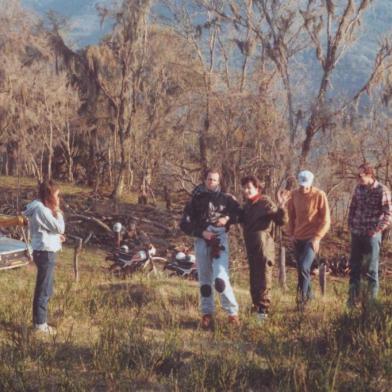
206,321
234,321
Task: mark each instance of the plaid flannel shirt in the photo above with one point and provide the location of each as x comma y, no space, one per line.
370,209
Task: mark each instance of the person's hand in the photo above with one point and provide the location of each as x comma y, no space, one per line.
62,238
222,221
283,197
207,235
371,233
315,245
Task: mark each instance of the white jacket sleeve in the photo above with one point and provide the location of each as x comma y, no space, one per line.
48,222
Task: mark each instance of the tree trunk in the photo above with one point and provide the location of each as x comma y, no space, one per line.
92,167
119,186
203,142
12,152
50,151
120,182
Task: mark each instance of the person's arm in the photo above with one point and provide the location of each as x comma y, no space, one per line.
277,213
188,224
352,208
280,217
233,210
324,215
50,223
290,228
386,207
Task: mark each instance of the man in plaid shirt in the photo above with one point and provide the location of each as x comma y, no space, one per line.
370,213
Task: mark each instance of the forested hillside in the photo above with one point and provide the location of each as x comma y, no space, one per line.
172,87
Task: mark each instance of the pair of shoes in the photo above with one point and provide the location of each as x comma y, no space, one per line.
45,328
206,321
234,320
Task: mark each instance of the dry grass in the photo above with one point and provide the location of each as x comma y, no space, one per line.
142,334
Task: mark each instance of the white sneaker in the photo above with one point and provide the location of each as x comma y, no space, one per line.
261,317
45,328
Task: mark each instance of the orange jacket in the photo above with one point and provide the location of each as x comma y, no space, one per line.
309,215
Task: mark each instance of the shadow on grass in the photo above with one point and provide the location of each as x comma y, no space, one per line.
189,324
125,295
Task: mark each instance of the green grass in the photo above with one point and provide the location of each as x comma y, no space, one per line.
142,333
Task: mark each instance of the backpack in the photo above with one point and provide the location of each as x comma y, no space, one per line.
186,224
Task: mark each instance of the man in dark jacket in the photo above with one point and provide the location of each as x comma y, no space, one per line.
258,217
207,217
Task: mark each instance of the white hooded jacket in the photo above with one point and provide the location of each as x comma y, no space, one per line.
44,228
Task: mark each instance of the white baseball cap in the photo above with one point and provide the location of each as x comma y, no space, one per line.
305,178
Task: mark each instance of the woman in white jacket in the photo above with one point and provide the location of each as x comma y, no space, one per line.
46,225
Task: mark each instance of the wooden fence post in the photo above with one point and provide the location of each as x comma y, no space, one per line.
77,250
282,268
323,278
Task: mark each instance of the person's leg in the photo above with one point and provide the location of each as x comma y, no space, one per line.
45,262
298,249
355,262
254,279
305,257
266,285
220,266
372,255
204,270
268,261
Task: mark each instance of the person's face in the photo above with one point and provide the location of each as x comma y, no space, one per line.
305,189
56,197
364,179
249,191
212,181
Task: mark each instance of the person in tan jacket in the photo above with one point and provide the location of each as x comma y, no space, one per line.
309,221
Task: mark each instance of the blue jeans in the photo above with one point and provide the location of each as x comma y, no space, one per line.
45,262
304,255
364,258
214,273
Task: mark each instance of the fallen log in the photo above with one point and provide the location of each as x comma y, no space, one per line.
103,225
156,224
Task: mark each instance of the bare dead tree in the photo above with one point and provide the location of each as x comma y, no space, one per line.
339,26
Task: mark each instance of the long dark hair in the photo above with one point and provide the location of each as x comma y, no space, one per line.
253,180
46,192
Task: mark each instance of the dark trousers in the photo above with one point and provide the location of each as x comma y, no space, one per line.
364,259
260,249
260,274
304,255
45,262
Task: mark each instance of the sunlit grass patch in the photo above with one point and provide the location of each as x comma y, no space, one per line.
142,332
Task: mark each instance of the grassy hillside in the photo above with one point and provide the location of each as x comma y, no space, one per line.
142,334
